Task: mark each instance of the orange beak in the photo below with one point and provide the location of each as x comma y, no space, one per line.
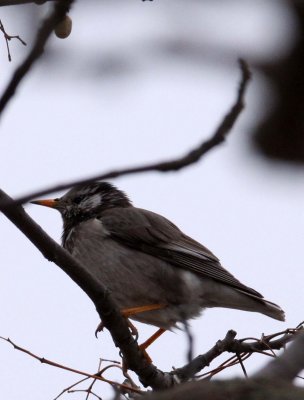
47,203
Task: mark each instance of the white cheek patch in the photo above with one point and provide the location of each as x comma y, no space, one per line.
92,201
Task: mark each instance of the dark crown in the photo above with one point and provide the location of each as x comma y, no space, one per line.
88,201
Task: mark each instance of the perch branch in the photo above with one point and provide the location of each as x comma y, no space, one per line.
106,308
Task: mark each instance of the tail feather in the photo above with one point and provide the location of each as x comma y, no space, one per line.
265,307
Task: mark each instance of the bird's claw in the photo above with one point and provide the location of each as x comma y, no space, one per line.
133,329
99,329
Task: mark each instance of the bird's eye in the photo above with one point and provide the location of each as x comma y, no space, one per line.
78,199
56,199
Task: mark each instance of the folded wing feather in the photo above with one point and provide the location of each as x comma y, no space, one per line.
155,235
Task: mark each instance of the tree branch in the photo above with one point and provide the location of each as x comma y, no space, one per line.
106,308
20,2
59,11
174,165
237,346
288,365
271,383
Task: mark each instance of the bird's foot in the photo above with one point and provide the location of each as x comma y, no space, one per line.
144,346
133,329
99,328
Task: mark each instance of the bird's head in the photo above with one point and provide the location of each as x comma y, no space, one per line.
86,201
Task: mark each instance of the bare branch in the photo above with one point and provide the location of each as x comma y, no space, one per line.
98,376
239,347
20,2
60,10
173,165
288,365
269,383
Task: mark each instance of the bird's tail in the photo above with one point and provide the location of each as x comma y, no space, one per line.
259,304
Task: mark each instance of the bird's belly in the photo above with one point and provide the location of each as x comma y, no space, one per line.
138,279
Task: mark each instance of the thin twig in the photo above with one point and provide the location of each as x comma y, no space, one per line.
70,387
288,365
228,344
174,165
44,360
7,38
240,360
85,391
78,382
59,11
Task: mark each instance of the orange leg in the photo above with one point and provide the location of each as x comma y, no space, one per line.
149,341
128,312
152,338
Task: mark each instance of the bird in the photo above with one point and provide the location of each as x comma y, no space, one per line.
155,273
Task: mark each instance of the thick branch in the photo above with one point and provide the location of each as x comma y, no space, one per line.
20,2
60,10
173,165
236,389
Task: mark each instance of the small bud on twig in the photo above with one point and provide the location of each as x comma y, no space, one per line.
64,28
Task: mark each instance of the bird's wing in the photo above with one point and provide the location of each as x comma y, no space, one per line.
155,235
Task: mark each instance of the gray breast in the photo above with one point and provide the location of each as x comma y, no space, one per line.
135,278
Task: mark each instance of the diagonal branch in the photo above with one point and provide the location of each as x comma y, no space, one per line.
60,10
97,376
176,164
106,308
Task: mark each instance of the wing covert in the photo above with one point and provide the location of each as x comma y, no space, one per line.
155,235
